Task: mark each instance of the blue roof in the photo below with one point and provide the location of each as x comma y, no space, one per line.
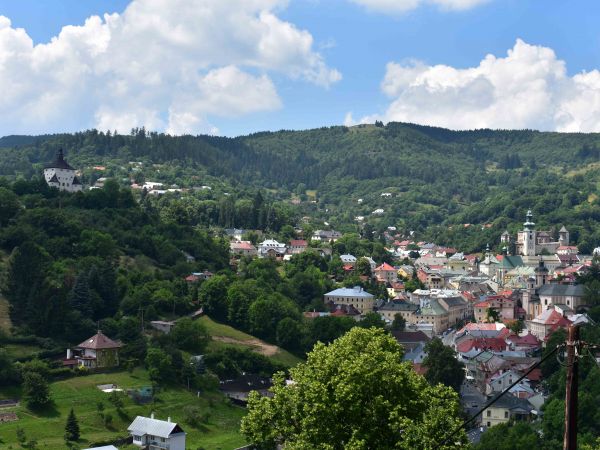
350,292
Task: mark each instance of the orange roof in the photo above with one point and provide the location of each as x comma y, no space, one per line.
385,267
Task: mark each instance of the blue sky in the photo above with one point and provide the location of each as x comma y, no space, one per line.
355,40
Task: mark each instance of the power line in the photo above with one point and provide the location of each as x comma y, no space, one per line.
495,399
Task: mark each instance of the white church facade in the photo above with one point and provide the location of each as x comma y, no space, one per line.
61,175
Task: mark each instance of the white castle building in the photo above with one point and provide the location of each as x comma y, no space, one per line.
531,242
61,175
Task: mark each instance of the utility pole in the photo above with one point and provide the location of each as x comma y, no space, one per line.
573,352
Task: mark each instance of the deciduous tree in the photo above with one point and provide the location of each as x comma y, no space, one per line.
355,393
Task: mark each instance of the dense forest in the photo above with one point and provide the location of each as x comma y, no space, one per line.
437,179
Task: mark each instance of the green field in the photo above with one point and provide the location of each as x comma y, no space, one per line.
221,430
226,336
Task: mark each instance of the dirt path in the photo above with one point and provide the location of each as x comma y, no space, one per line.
256,344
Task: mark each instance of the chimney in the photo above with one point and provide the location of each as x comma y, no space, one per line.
69,353
169,419
152,415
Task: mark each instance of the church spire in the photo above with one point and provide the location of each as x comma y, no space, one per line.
529,224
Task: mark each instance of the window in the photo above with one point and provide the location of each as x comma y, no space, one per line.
489,413
489,424
137,438
506,414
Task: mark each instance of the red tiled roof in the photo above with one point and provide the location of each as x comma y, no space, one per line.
385,267
482,305
495,344
192,278
298,243
535,374
99,341
528,339
242,245
348,267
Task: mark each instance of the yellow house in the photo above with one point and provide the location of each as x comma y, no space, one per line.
508,407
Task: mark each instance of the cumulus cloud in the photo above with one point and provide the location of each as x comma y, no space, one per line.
528,88
164,64
401,6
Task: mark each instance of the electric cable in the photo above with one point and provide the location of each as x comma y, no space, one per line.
495,399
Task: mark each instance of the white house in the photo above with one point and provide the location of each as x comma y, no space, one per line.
271,248
61,175
348,260
154,434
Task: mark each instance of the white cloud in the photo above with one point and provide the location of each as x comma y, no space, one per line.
164,64
401,6
529,88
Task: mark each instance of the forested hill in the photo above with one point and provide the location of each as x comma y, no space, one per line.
435,176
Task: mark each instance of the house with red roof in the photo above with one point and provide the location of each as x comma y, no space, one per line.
99,351
526,343
546,323
297,246
242,248
386,273
494,344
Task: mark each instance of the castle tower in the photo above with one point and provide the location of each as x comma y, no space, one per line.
563,236
529,235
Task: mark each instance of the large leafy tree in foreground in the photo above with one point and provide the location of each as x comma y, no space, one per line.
355,393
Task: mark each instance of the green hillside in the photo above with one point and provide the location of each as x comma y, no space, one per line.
435,176
219,427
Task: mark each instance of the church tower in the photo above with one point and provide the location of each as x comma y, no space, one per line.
563,236
541,274
529,235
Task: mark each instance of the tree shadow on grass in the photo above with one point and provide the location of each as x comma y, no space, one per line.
48,410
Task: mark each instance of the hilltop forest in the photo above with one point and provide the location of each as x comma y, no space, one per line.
460,188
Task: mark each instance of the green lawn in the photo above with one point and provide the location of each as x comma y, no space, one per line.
219,329
220,432
231,337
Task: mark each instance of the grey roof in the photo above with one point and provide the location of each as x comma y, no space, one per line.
554,289
453,301
59,162
398,306
563,229
433,309
161,428
512,403
356,291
